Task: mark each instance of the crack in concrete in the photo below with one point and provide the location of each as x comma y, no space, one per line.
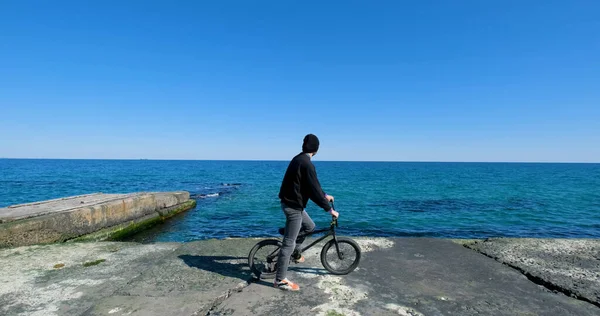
222,298
539,281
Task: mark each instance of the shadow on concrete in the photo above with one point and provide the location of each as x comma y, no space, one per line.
309,270
228,266
267,282
237,267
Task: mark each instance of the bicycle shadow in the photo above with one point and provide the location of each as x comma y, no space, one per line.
269,282
237,267
227,266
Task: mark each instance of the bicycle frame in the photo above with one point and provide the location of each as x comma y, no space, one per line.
330,232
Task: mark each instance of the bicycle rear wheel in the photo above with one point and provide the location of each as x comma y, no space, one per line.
347,260
263,258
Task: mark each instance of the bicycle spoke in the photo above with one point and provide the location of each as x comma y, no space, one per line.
348,256
265,259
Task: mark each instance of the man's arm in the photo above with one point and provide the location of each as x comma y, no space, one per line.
316,193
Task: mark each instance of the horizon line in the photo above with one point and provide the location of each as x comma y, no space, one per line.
317,160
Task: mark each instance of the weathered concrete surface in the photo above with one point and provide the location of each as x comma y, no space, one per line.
63,219
571,266
408,277
154,279
396,277
27,210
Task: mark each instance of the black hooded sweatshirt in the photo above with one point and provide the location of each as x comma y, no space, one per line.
300,183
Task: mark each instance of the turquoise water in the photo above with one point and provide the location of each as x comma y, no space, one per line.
239,198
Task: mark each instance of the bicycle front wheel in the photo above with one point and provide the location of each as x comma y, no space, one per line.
343,262
263,258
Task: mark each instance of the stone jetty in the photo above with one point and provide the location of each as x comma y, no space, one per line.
95,216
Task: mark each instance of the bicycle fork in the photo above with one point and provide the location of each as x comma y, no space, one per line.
337,247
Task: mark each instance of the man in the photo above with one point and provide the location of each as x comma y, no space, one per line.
300,184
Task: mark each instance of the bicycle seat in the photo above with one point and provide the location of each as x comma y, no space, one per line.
282,231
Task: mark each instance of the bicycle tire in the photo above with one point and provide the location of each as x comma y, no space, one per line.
341,241
257,269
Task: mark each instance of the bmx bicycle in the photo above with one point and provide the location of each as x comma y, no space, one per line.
340,255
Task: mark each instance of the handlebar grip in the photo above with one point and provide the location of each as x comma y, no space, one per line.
333,218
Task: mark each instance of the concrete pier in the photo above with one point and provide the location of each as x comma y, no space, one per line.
397,276
88,217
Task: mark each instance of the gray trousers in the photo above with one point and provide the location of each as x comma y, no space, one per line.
296,222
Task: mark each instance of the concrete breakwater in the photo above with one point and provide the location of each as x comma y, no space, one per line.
95,216
397,276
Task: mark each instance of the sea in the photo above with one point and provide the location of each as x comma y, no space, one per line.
418,199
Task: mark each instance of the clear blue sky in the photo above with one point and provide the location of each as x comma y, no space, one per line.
375,80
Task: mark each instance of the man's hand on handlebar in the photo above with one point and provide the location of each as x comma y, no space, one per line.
332,211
